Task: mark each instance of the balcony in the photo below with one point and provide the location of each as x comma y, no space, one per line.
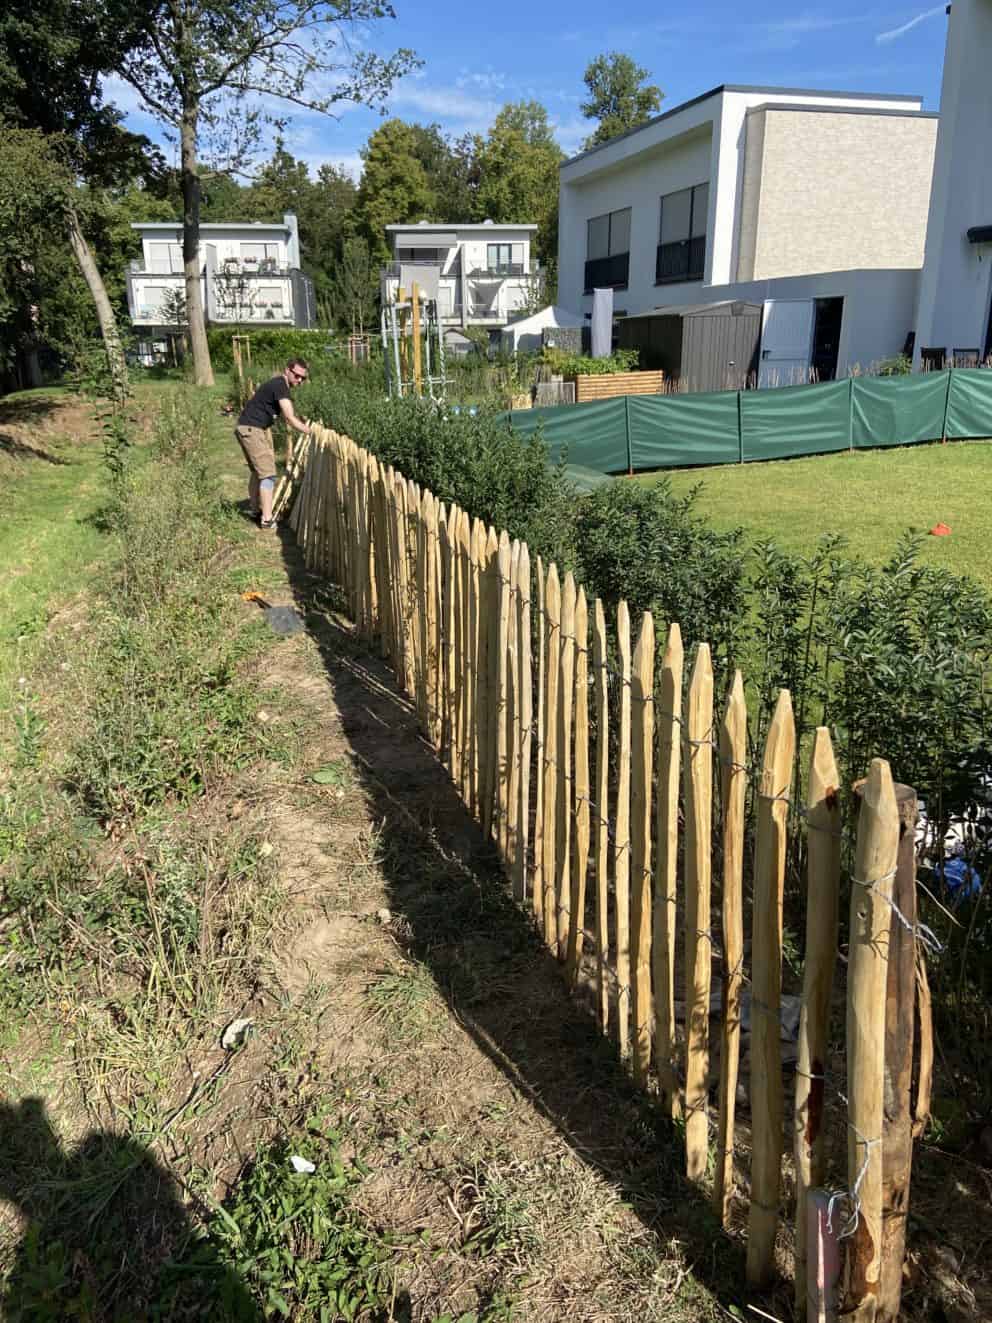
685,259
607,272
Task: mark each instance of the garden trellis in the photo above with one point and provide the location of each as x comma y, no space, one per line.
616,795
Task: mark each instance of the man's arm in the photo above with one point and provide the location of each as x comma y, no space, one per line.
287,411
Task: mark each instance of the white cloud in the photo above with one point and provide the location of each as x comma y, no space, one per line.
454,107
894,34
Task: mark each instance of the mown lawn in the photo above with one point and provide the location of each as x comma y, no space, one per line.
871,497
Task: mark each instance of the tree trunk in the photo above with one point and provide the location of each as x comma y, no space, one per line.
203,373
104,311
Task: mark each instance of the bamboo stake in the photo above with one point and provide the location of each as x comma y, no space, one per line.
580,856
602,830
871,915
642,716
537,884
823,885
669,728
513,733
621,844
733,756
698,943
766,988
563,833
526,715
502,750
552,641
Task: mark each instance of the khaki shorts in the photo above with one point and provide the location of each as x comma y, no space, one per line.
256,442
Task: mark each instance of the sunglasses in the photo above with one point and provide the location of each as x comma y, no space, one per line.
297,376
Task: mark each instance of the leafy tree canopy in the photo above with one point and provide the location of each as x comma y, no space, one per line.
618,96
394,186
517,164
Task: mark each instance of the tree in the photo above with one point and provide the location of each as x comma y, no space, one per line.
518,172
394,186
616,96
357,285
51,59
201,66
451,169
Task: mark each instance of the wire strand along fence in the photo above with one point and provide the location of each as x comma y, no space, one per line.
613,802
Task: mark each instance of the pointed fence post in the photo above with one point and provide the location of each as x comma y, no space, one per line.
766,992
552,645
524,664
566,696
602,865
642,702
621,844
580,853
668,724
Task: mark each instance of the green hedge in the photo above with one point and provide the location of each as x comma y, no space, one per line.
269,346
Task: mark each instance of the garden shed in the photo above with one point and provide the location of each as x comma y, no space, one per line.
699,347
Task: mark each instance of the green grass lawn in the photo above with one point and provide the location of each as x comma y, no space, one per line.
871,497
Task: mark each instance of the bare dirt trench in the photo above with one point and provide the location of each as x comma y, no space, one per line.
519,1172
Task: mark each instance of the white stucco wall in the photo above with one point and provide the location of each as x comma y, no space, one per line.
956,284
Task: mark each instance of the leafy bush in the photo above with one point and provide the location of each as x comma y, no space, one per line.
561,361
897,366
644,544
270,346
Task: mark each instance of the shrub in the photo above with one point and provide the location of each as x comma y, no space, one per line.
561,361
644,544
270,346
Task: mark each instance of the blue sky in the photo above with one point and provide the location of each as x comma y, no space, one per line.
475,60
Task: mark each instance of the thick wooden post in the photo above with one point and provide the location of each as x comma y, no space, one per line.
766,986
642,701
900,1001
668,724
871,916
698,944
733,778
580,853
602,810
823,885
621,845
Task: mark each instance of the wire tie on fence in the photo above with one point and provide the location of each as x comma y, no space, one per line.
804,812
851,1225
783,797
811,1074
672,716
733,765
923,934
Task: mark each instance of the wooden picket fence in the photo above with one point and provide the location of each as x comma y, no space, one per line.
596,780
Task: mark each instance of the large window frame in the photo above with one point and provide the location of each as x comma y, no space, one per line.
608,250
681,252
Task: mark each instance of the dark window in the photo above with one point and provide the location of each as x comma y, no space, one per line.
608,250
421,254
682,235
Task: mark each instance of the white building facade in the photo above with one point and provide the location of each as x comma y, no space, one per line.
484,275
748,192
954,317
250,272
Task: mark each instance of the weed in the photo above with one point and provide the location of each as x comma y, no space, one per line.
406,1001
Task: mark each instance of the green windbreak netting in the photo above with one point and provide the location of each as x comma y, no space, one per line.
678,430
796,420
893,411
594,434
969,405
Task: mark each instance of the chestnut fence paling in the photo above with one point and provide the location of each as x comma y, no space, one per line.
618,806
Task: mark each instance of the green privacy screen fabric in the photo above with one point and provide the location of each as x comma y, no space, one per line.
969,404
893,411
796,420
668,431
594,434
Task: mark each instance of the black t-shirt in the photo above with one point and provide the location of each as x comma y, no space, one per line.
261,409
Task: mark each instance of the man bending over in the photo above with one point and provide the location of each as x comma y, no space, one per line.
254,434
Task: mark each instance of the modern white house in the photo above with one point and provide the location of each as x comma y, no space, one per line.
484,274
954,317
813,204
250,271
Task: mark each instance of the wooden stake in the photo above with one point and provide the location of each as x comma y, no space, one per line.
513,739
489,623
602,801
415,311
466,677
552,645
621,845
823,873
871,916
642,745
565,808
537,885
479,665
698,943
668,723
526,715
501,602
580,855
733,776
766,986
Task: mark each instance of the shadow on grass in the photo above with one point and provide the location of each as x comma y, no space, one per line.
484,953
106,1232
